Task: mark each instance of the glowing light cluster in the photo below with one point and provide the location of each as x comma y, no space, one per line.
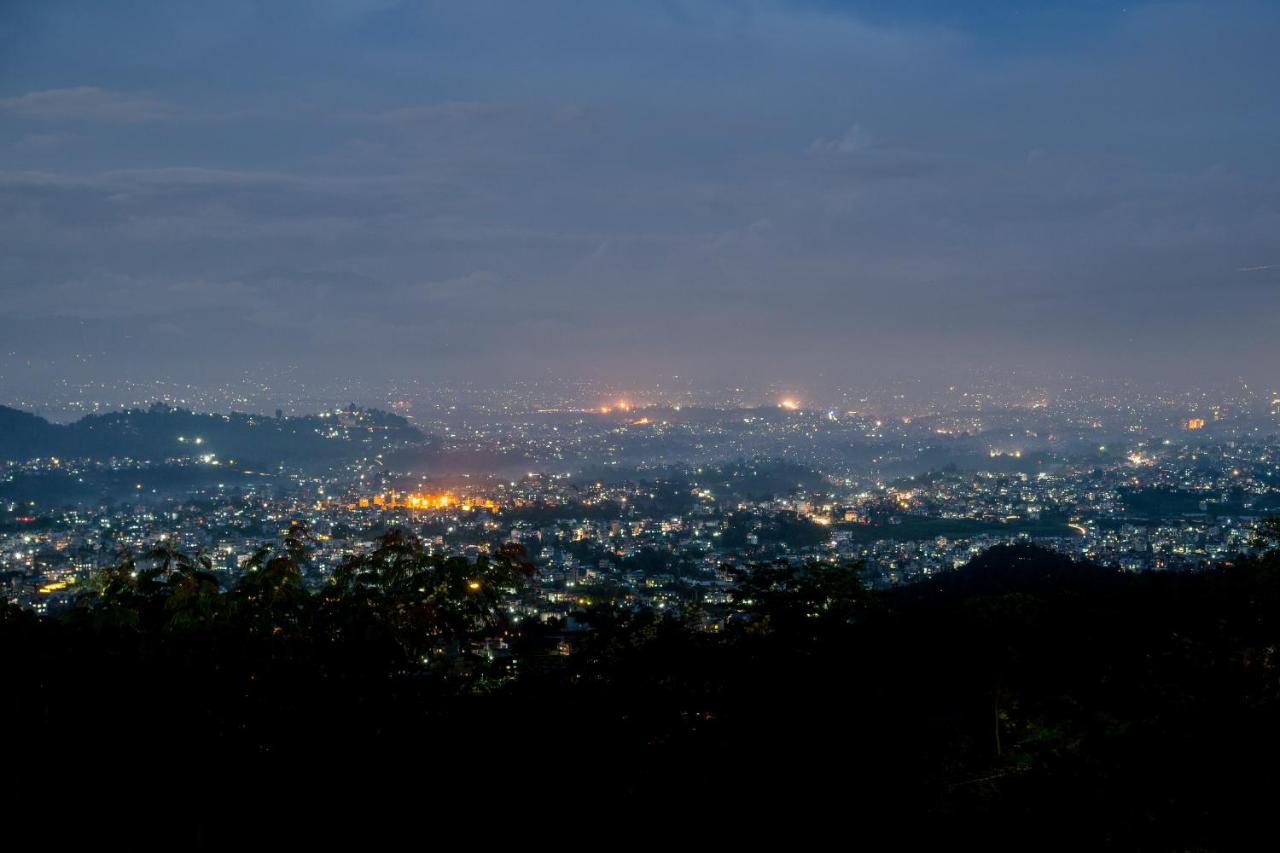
415,500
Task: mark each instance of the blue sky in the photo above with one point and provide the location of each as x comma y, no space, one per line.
721,189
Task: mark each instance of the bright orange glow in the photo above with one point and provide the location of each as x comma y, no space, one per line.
415,500
1195,423
789,404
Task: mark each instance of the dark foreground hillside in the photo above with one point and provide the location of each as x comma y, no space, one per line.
1023,701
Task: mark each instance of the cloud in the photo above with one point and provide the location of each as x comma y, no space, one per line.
41,143
83,104
448,111
855,139
657,184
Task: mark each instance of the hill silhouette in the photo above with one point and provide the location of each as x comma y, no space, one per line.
162,432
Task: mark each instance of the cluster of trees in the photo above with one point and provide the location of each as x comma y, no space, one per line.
1025,699
394,610
782,528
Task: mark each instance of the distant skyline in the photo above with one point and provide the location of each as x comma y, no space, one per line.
818,193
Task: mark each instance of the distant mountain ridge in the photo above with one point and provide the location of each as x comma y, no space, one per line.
162,432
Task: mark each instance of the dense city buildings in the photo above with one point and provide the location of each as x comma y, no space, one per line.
649,498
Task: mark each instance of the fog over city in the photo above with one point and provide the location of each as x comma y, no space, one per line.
808,192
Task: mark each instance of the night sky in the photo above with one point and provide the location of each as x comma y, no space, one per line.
624,190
